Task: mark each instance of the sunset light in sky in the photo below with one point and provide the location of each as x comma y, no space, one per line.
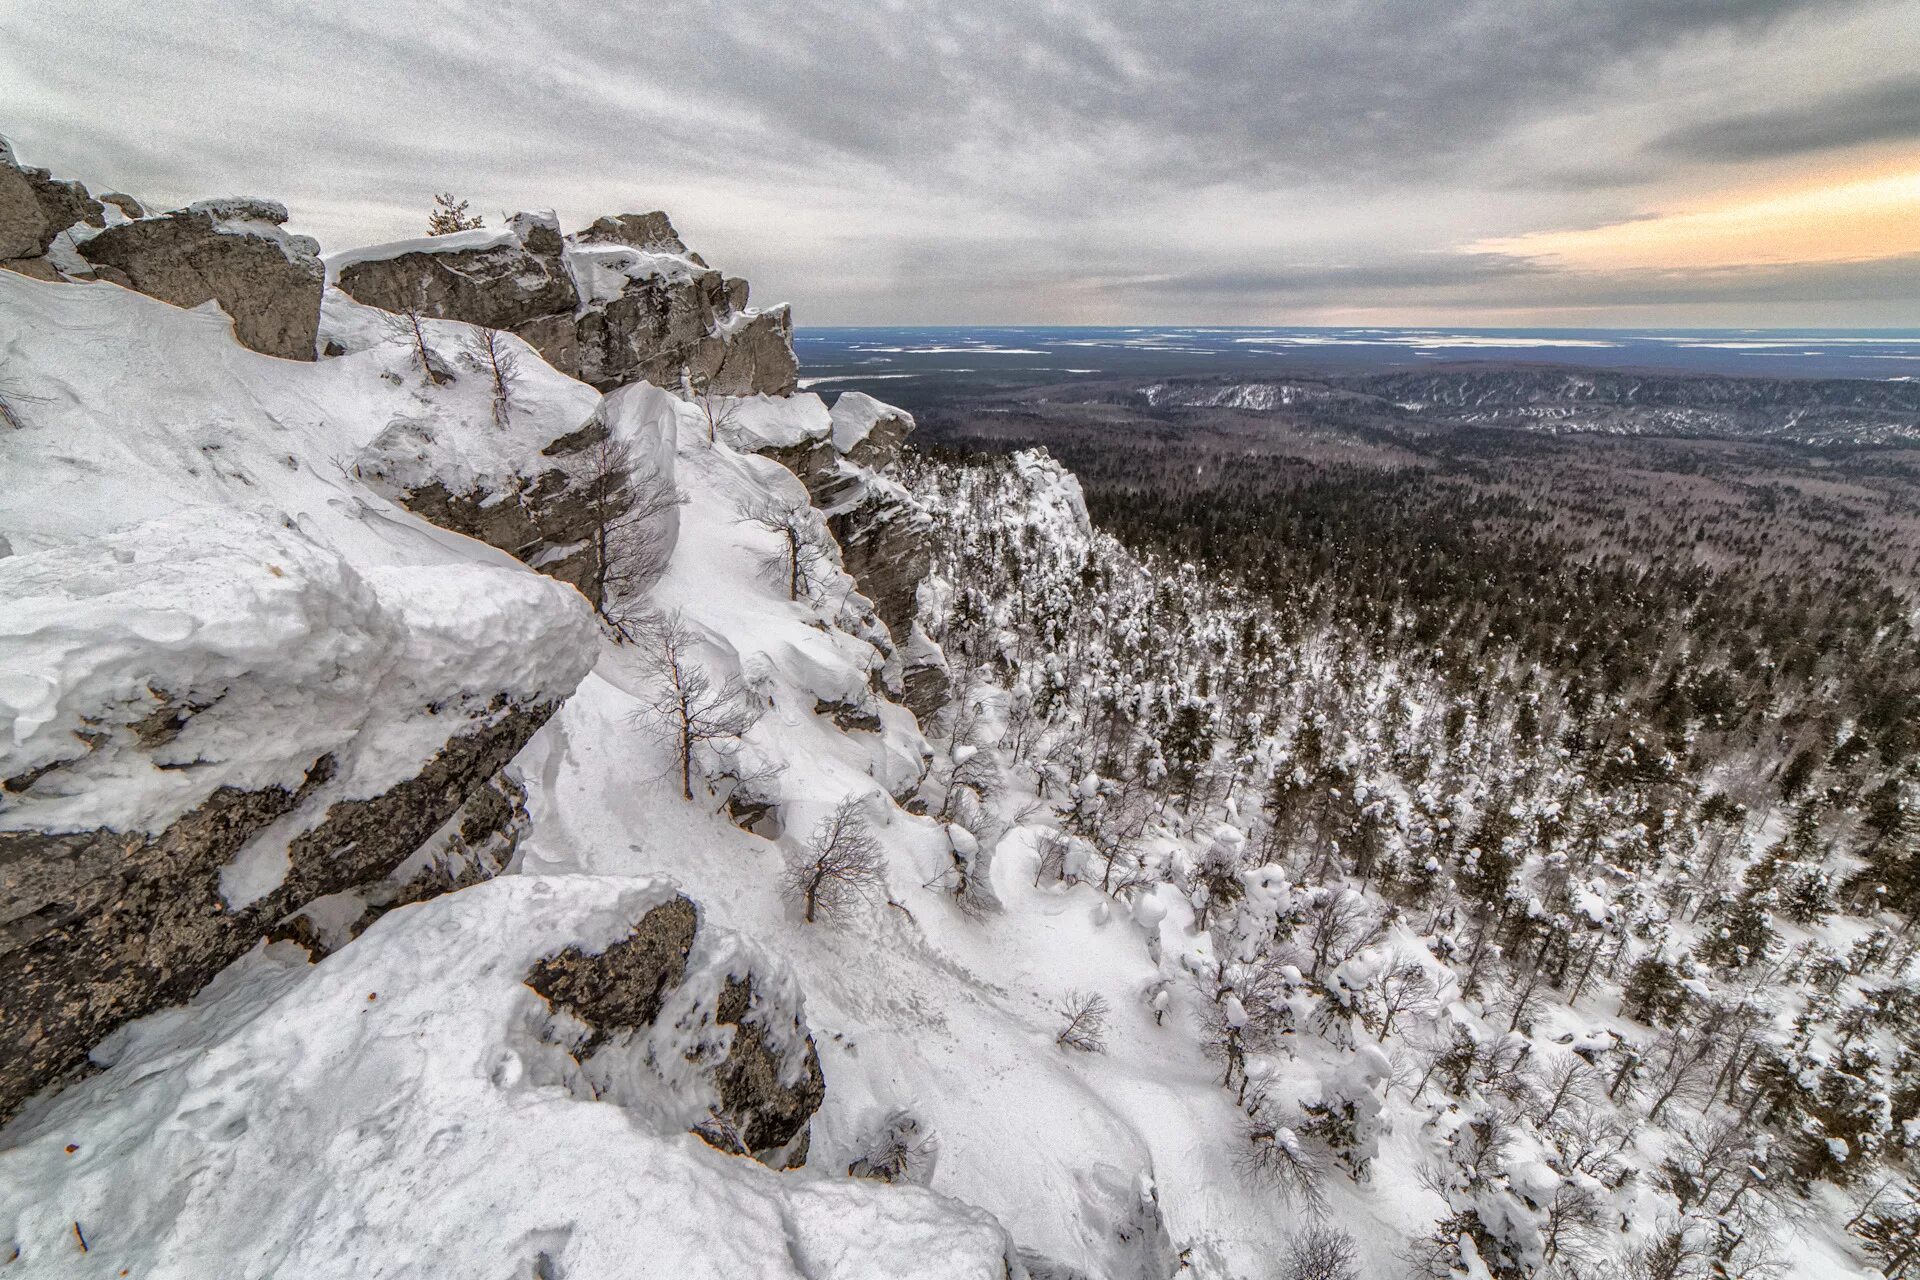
1859,220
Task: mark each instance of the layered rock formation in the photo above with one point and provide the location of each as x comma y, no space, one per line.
215,721
147,838
622,301
35,208
849,460
230,252
745,1038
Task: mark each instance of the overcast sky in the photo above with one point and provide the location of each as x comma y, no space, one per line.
1565,162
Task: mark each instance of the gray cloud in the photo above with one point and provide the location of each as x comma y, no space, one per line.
937,161
1885,112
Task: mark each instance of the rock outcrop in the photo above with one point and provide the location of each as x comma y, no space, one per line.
213,722
883,532
739,1044
622,301
230,252
35,207
409,1106
594,506
509,279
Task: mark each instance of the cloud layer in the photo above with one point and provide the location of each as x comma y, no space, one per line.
1024,161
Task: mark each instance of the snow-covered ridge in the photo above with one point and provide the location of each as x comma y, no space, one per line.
410,1107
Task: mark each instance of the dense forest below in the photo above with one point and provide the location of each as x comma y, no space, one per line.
1622,730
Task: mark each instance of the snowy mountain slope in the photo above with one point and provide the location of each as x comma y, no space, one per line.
159,439
1108,1163
1187,935
410,1108
1578,1070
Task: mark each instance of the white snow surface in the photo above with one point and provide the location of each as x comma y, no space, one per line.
602,272
195,531
408,1107
771,422
192,536
856,414
453,242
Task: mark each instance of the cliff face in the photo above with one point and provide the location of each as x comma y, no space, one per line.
622,301
236,687
291,621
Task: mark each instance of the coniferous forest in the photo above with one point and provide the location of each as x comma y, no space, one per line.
1586,766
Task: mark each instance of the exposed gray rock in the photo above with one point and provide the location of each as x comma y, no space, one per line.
64,203
884,537
474,845
547,519
759,357
609,318
757,1107
848,715
926,689
231,252
24,230
658,327
37,268
649,231
124,203
35,207
100,927
625,989
503,286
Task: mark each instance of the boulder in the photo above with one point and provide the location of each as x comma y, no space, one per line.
218,721
24,230
231,252
502,280
651,232
63,203
621,301
758,357
35,207
730,1045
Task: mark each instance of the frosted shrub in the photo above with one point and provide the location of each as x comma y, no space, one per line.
1086,1028
838,867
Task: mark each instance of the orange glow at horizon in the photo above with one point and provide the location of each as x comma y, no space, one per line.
1859,220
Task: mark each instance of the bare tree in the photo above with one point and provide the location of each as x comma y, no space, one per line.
1272,1156
1336,925
1569,1236
626,531
803,541
1683,1069
1407,989
488,351
1320,1252
840,865
1052,847
691,708
1086,1028
1556,1085
407,325
449,215
719,410
1525,999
